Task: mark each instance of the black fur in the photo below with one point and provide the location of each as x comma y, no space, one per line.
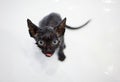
49,35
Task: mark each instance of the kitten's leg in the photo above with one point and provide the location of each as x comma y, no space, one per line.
61,54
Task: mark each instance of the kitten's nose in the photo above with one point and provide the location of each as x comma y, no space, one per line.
49,50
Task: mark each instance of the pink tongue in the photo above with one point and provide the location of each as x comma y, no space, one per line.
49,55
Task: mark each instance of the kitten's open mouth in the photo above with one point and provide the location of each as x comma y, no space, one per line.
48,55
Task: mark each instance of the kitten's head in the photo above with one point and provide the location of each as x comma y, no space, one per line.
47,38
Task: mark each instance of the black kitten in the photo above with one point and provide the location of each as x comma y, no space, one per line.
50,34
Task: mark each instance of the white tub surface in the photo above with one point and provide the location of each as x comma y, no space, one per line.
93,53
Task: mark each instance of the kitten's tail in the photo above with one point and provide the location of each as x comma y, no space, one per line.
74,28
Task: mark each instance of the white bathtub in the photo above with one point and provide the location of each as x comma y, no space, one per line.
93,52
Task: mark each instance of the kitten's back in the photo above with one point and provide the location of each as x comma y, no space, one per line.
50,20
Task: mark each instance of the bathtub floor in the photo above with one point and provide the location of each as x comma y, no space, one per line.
93,52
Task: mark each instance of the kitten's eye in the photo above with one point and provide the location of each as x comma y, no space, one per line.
40,42
55,42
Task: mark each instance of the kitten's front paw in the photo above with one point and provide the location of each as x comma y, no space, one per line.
62,57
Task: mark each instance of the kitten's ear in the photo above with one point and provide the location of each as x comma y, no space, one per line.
60,29
32,28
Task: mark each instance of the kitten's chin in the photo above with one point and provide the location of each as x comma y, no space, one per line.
48,55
